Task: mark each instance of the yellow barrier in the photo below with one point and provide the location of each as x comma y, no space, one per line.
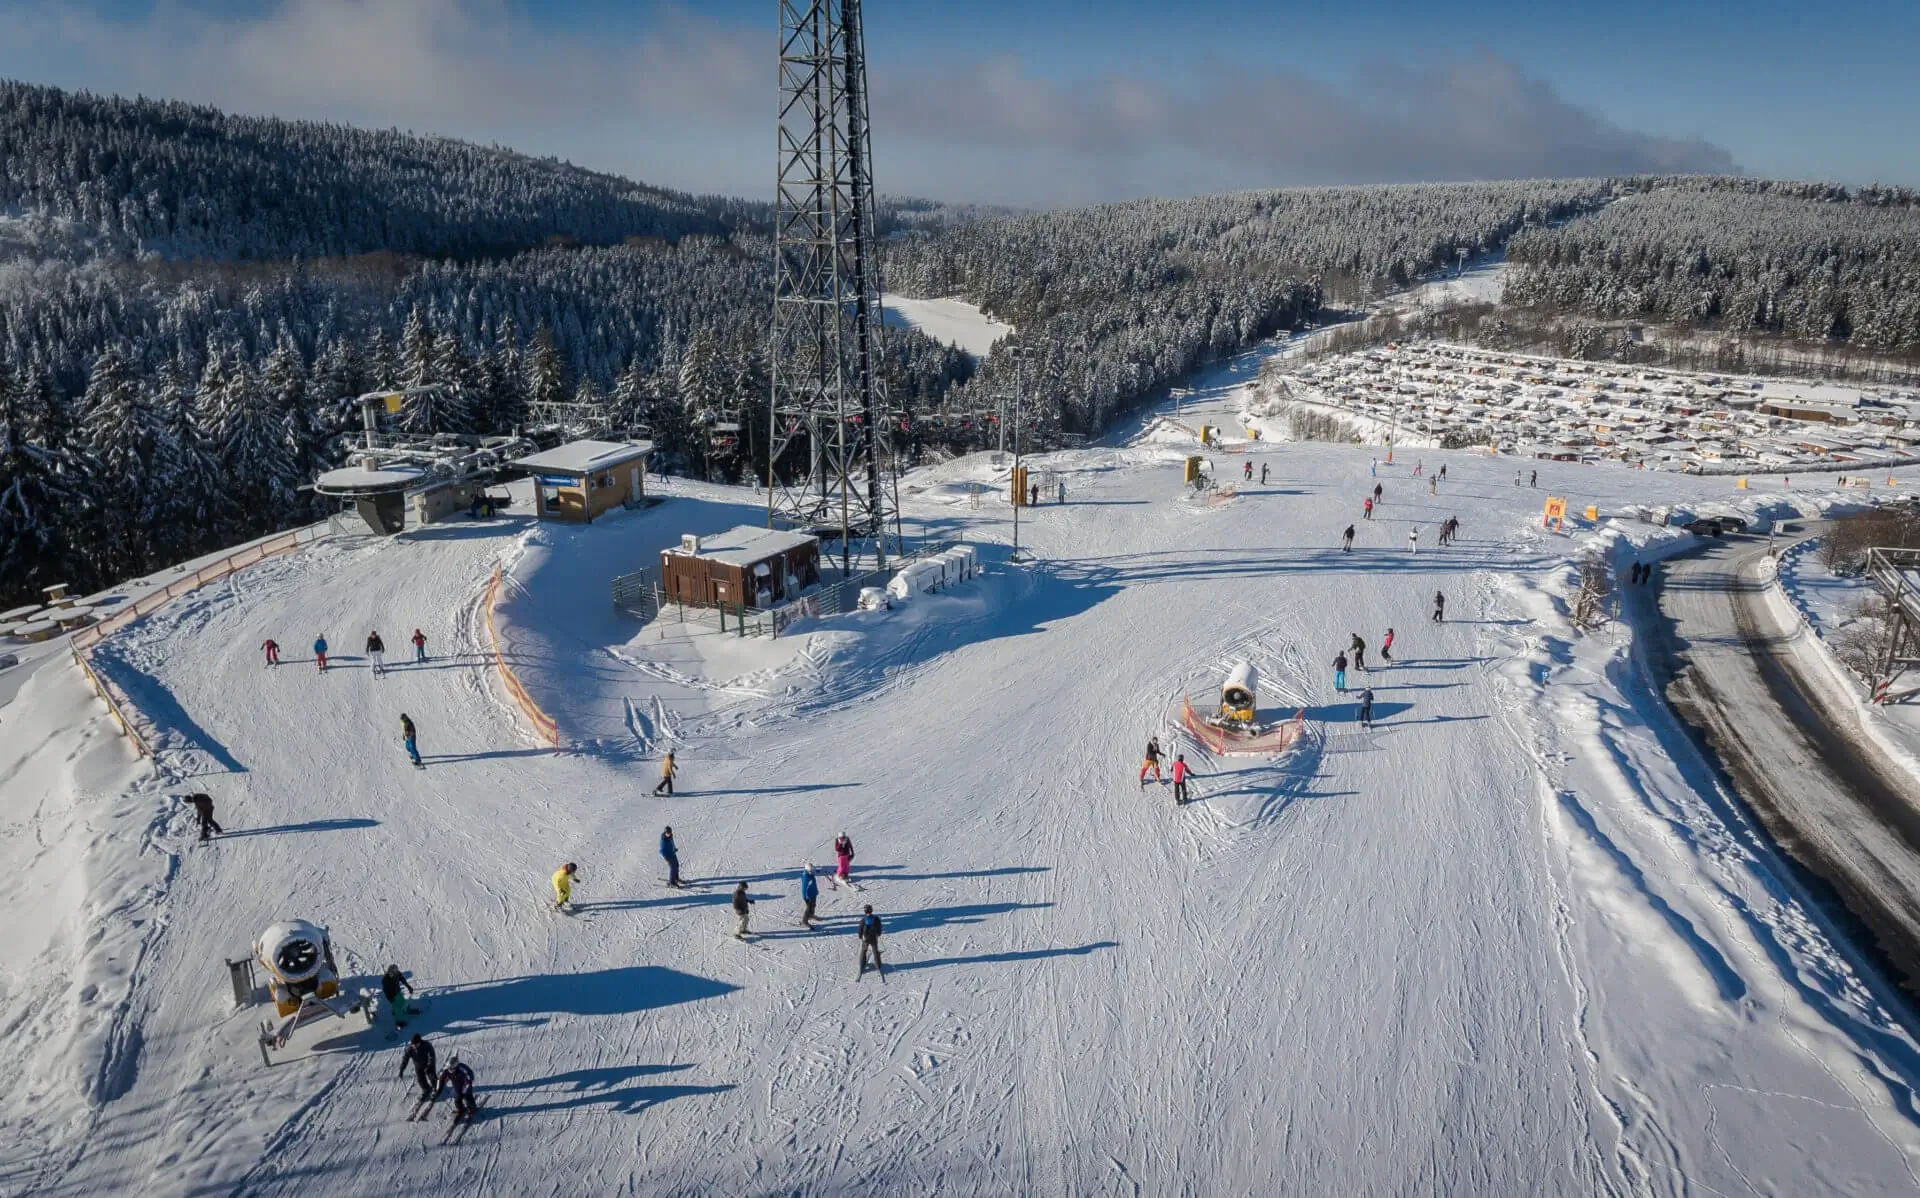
541,721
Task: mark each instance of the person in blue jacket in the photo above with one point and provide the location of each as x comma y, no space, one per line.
320,652
810,892
671,852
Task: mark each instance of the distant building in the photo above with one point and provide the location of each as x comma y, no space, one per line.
582,479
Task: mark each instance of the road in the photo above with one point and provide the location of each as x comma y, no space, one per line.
1738,671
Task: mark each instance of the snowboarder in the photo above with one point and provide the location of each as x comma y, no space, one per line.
1413,539
1346,540
843,859
1433,484
461,1078
420,1055
1386,648
1340,672
667,770
1180,773
1366,508
272,648
671,853
1439,608
741,906
1263,474
202,805
320,652
1358,648
809,894
1152,762
392,982
1246,472
563,880
411,739
869,932
419,645
377,652
1366,708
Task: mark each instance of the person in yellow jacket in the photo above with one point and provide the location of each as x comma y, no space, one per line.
563,884
667,770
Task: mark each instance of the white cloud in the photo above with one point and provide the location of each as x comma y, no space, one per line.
688,102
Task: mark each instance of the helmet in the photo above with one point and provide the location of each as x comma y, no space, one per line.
571,867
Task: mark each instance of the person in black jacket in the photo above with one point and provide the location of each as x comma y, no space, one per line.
870,929
377,652
202,805
741,906
392,982
420,1055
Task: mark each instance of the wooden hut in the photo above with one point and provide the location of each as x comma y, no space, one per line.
581,479
742,567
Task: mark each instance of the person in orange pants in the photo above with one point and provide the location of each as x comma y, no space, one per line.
1152,762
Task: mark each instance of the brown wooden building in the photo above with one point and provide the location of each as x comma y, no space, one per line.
744,566
581,479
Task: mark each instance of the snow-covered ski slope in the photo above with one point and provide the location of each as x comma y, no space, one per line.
1514,940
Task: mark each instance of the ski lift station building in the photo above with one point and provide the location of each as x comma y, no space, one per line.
582,479
742,567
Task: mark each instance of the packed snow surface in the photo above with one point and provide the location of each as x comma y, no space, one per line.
1513,939
953,321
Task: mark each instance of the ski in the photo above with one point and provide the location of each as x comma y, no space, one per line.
457,1129
423,1108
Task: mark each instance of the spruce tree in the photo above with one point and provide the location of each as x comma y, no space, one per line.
40,496
121,433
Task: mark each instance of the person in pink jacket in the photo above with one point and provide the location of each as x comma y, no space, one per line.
1180,772
843,857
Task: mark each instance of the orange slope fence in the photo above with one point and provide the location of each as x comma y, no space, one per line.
1277,739
81,641
543,724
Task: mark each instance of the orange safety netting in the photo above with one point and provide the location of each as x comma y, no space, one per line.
1221,743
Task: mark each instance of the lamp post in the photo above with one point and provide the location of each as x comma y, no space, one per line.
1020,355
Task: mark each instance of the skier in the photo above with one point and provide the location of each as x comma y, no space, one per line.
741,905
1413,539
1433,484
1376,492
1152,762
1346,540
1533,478
1033,495
392,982
1340,672
1062,493
1419,465
411,739
1366,508
843,859
1443,472
1373,468
869,932
671,852
1439,608
1180,773
202,805
377,652
563,880
320,652
419,645
461,1079
1358,648
667,770
1516,478
272,648
1386,648
809,894
1263,474
1246,472
420,1055
1366,708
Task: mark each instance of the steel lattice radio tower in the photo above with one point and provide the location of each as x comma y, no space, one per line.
824,468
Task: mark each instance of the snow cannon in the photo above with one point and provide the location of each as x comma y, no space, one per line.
298,958
1238,694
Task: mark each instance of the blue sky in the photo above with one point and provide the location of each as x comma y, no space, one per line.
1041,103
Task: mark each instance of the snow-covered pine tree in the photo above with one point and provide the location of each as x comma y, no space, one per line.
545,375
251,436
122,435
40,495
190,493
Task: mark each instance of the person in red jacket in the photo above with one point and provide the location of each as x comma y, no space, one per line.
272,648
1180,773
419,645
1386,648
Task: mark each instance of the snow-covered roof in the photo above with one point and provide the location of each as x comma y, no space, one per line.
743,544
358,479
584,457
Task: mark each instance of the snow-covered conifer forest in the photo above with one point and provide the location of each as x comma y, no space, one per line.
185,293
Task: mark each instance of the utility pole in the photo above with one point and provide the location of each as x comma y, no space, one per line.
1020,355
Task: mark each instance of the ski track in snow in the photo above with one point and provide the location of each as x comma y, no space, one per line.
1514,939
